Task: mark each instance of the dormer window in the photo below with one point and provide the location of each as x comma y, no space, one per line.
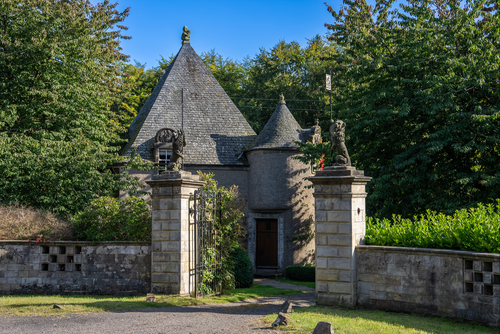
164,157
162,148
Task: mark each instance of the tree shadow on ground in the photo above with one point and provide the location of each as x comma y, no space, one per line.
344,319
227,303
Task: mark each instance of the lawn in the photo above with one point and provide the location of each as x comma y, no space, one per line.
308,284
42,305
351,321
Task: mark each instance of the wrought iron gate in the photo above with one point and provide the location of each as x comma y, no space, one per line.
204,245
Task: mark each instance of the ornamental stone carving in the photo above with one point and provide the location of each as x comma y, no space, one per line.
282,99
337,137
164,136
186,35
178,143
315,136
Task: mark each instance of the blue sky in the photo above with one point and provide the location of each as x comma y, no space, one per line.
235,29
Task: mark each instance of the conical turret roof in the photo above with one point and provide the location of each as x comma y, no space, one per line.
216,131
281,131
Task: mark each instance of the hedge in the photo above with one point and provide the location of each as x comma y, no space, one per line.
301,273
475,229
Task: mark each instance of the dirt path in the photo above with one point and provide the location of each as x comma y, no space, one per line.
242,317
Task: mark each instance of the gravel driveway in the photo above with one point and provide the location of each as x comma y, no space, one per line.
242,317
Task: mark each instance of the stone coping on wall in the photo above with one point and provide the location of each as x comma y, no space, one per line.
195,167
86,243
430,251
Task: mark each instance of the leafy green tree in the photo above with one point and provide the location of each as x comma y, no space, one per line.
59,74
298,73
418,88
230,74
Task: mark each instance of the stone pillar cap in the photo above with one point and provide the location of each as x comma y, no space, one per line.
340,175
340,171
175,175
175,179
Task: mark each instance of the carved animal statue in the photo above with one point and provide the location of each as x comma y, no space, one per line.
178,143
337,137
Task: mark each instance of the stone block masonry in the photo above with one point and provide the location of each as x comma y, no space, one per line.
121,268
448,283
339,194
170,231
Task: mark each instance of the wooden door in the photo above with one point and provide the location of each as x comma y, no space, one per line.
267,243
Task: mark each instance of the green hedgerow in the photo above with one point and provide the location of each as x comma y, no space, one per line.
301,273
475,229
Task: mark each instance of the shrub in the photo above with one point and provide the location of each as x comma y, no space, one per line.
19,222
242,268
300,273
228,231
475,229
108,219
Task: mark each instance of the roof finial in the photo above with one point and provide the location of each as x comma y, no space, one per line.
282,99
186,35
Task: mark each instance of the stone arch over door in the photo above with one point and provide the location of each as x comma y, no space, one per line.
252,236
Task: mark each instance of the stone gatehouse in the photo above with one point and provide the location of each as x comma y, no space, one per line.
279,216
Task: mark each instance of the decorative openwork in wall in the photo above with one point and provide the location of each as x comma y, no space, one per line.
482,277
204,244
60,258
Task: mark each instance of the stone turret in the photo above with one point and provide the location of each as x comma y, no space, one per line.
277,188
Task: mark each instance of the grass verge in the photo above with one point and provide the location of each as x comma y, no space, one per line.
308,284
41,305
351,321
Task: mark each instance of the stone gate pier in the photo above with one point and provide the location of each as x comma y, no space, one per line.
170,231
339,194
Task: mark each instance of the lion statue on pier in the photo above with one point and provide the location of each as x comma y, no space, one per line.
337,137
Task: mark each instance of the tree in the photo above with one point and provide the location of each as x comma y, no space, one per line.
230,74
59,74
298,73
418,88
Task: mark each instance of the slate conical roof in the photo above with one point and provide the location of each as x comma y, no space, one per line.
281,131
216,131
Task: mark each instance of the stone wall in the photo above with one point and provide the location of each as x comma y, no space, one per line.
447,283
75,267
